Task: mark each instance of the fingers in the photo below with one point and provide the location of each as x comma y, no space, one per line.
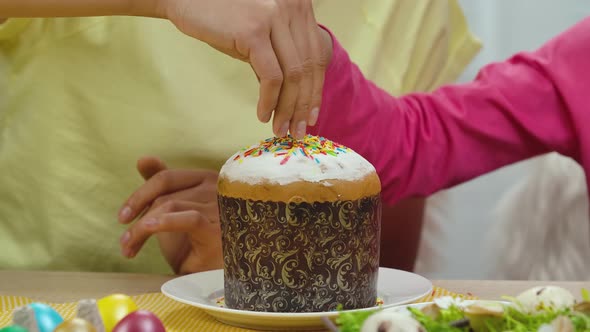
302,41
268,71
297,44
320,63
174,217
199,194
160,184
292,69
149,166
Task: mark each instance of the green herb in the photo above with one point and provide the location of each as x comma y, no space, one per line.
441,323
352,321
513,319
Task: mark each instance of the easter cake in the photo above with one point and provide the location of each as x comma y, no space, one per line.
300,223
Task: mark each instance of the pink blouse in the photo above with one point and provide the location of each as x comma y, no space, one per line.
530,104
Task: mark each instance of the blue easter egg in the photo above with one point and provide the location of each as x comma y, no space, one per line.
47,318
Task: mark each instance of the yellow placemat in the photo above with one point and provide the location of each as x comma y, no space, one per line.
176,316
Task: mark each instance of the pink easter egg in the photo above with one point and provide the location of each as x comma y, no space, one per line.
140,321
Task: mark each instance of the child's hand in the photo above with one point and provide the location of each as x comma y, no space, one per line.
282,42
180,208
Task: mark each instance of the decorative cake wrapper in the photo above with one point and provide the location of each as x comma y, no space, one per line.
176,316
278,254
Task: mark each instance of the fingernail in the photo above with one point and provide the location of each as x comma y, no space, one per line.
126,252
151,222
125,237
125,213
284,129
300,130
265,117
313,116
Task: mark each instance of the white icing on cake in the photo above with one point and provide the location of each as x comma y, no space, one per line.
269,162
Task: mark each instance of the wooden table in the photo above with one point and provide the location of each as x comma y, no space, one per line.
72,286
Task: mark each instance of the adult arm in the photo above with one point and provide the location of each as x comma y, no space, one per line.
280,39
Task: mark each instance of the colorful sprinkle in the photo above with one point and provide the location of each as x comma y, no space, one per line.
286,147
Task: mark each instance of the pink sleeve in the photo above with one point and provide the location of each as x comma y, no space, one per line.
531,104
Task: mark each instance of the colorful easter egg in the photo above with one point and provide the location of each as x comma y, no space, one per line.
115,307
140,321
13,328
87,309
75,325
47,318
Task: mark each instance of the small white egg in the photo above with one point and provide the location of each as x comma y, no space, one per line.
539,298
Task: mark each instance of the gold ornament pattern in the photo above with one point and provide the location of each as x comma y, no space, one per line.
298,256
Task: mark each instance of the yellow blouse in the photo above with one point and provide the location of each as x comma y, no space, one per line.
81,99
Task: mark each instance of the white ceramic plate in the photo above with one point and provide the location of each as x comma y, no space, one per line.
203,290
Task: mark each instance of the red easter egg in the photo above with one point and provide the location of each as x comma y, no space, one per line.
140,321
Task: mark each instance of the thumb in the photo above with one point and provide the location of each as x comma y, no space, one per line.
148,166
